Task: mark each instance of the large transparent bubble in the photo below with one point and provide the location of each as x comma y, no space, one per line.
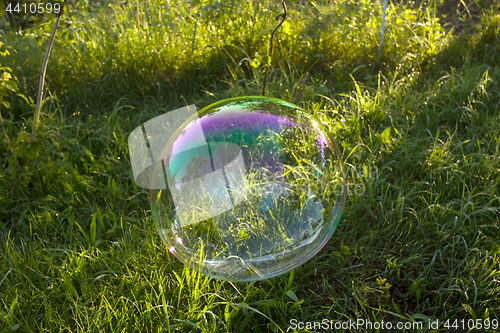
254,189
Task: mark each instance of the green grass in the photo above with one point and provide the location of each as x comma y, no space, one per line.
79,252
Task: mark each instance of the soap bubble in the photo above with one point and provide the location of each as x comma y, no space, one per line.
254,189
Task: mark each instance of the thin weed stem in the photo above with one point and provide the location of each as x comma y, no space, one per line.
271,46
44,68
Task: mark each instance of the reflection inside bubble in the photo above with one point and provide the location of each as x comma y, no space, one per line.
249,190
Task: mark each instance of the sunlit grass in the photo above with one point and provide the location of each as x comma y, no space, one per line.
79,252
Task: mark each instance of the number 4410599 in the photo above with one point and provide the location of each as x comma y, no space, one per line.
471,324
34,8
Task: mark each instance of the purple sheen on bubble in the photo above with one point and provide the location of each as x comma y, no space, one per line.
321,144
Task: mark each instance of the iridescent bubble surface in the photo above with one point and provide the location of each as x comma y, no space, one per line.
254,189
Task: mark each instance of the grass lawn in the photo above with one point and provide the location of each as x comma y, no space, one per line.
418,130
